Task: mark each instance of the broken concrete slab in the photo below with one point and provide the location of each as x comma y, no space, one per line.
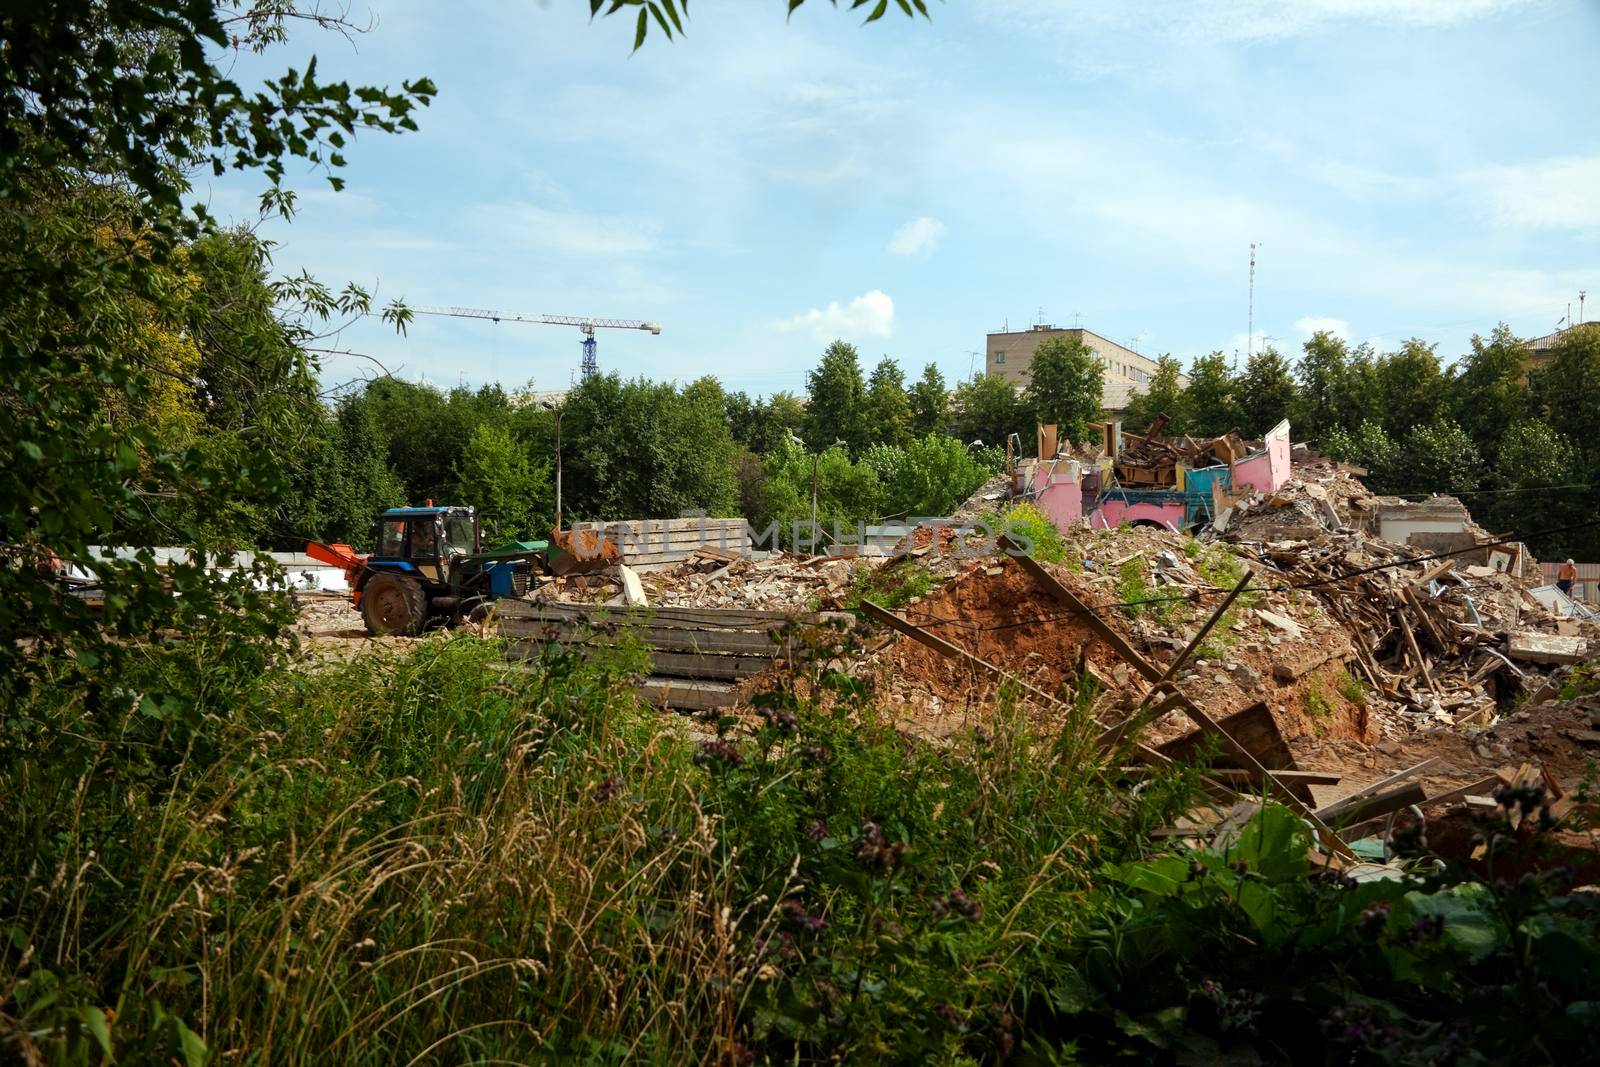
632,588
1281,622
1546,648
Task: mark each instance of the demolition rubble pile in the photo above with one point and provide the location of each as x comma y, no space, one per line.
1152,459
1275,649
711,578
1443,636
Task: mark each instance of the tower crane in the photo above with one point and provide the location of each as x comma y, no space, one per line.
587,325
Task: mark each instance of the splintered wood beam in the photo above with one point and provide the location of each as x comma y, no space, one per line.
1200,635
1352,811
1380,785
1411,643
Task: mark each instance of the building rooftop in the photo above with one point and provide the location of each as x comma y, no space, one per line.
1549,340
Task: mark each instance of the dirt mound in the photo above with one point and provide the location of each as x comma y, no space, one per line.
996,611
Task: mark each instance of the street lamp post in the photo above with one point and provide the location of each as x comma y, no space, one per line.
816,458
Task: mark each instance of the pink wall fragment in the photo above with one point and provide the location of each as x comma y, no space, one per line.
1116,512
1268,471
1058,489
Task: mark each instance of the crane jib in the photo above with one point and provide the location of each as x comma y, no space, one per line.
586,325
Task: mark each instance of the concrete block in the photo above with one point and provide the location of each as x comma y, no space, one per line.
632,588
1546,648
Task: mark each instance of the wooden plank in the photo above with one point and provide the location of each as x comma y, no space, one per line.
1298,783
1359,809
1427,620
1431,573
1383,783
1481,788
1411,642
674,638
724,667
685,695
695,618
1252,727
700,665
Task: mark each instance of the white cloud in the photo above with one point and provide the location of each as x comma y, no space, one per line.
1321,324
868,315
1253,20
920,237
1548,194
562,232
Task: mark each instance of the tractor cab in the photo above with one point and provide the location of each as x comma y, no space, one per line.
425,541
430,562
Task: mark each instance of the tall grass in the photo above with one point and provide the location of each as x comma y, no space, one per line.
441,857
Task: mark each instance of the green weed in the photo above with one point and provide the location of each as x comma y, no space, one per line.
1581,681
1352,688
890,587
1028,524
1317,706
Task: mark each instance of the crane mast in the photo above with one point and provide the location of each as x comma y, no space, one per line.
585,324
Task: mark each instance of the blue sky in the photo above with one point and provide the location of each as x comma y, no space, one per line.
1424,167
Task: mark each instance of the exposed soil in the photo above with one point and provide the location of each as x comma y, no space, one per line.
997,612
1563,737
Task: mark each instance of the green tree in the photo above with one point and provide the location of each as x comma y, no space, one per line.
426,430
343,482
848,494
1568,389
836,399
1413,387
1209,403
1542,483
1162,396
1369,446
935,474
987,408
1323,372
1489,390
642,449
744,417
1362,397
930,402
1065,387
106,106
884,461
887,410
514,498
785,416
1266,392
1440,458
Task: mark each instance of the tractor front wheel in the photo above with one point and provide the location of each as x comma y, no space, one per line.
393,604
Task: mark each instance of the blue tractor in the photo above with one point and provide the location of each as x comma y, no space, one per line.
430,563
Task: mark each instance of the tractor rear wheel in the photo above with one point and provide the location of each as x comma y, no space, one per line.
393,604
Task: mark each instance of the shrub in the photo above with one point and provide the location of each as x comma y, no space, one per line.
1033,530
